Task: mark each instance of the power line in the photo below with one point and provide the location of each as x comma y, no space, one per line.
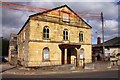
26,8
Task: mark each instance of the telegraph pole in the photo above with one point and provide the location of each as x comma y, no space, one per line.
103,46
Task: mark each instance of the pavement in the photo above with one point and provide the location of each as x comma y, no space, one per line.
5,67
94,67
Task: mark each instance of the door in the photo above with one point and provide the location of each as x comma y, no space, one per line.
68,56
62,56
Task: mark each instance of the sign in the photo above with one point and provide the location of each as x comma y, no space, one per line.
46,55
107,51
81,56
81,53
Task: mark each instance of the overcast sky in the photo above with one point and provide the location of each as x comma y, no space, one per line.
12,21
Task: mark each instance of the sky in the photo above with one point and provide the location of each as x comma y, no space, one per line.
12,21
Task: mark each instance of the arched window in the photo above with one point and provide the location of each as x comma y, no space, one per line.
46,54
65,34
81,38
46,32
81,53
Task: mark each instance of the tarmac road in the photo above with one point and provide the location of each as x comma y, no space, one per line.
100,74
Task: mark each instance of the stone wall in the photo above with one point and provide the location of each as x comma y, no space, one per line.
35,56
31,42
22,42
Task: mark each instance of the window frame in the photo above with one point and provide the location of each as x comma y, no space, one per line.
65,35
81,36
65,19
43,54
46,32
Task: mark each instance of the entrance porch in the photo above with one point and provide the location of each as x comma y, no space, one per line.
68,51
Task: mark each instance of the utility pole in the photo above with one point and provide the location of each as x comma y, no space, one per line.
103,46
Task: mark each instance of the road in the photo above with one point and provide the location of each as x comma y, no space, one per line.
95,74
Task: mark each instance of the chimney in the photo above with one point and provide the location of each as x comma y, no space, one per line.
98,40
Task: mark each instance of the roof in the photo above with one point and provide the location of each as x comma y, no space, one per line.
114,42
24,25
49,11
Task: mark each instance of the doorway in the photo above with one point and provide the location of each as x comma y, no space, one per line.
69,53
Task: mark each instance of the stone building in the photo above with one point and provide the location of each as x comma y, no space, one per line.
54,37
12,56
112,48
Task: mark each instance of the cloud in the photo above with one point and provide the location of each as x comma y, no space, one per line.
13,18
6,32
110,29
111,24
109,9
48,5
60,0
12,21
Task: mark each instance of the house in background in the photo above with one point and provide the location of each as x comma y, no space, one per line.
12,56
54,37
112,48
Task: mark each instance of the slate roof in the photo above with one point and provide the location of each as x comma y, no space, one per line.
114,42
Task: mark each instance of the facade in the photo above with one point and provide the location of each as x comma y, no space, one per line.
12,57
54,37
112,48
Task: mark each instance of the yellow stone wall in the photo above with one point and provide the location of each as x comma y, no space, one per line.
35,53
87,53
31,42
22,43
56,35
56,32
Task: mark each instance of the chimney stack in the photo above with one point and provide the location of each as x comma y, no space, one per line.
98,40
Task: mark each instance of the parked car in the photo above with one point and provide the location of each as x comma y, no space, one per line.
118,57
115,59
2,59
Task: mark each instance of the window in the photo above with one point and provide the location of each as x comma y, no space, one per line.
46,54
81,53
81,37
65,34
46,32
15,38
66,17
